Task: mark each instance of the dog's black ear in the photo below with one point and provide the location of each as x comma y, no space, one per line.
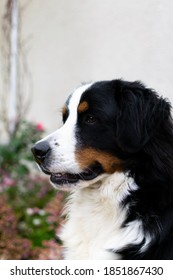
140,113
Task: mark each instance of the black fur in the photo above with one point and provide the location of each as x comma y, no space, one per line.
133,123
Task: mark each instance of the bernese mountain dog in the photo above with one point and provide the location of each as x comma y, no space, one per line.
114,154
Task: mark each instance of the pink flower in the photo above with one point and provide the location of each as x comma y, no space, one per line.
29,211
7,181
40,127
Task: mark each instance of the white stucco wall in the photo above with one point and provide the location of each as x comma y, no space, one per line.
75,41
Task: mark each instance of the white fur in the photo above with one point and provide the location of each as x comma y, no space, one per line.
94,220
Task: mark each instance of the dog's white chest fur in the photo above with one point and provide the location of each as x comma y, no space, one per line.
95,217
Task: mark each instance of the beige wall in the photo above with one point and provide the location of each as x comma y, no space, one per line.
71,41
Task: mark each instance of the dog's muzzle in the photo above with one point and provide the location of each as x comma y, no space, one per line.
41,151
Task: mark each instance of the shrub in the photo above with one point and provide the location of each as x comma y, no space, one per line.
29,206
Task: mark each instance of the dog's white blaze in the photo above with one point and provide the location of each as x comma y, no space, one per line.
63,141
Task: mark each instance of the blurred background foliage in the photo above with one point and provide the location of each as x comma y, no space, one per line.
30,209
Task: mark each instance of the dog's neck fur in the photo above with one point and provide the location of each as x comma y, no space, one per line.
95,218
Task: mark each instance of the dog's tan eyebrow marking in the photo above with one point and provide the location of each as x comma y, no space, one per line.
64,110
83,106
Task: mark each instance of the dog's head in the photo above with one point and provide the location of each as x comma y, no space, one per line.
105,125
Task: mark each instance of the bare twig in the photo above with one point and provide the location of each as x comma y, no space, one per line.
24,77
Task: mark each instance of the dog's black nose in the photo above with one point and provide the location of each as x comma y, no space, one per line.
40,151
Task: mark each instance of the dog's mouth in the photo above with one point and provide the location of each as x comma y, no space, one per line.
89,173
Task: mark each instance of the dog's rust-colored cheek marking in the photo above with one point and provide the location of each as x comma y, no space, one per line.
88,156
83,106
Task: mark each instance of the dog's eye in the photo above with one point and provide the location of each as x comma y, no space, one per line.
65,117
89,119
